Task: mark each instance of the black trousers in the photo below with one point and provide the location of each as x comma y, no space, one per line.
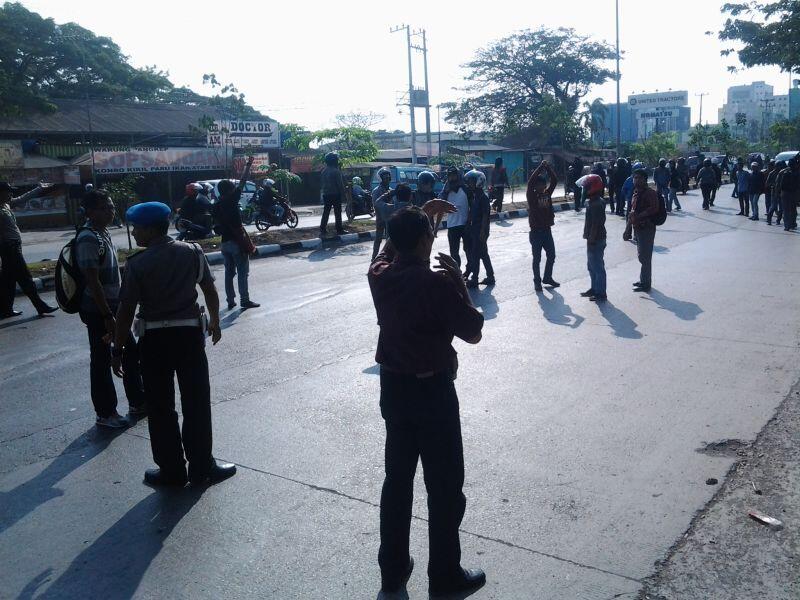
15,271
789,201
166,353
611,198
331,201
456,236
101,379
478,251
499,194
645,239
706,191
422,421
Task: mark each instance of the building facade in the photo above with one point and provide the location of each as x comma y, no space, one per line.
641,116
751,109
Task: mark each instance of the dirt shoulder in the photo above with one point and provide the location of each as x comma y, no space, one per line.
727,555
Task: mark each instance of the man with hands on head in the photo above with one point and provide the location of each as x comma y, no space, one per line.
419,312
162,280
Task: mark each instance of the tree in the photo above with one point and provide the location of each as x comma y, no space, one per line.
41,61
359,120
353,144
698,137
784,135
770,35
657,146
530,84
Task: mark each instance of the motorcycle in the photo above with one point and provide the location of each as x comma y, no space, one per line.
282,214
358,204
191,231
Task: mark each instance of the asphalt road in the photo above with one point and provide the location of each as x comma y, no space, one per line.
581,425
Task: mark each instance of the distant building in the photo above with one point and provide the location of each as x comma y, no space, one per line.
641,116
752,108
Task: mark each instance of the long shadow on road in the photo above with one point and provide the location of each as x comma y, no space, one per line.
28,496
621,323
558,312
113,566
687,311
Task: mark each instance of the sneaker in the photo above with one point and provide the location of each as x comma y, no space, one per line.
472,283
538,286
231,305
467,581
488,281
598,298
112,422
588,293
551,282
46,309
250,304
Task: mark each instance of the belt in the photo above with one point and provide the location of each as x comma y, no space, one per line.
425,375
171,323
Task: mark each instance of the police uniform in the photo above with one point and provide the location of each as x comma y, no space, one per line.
162,279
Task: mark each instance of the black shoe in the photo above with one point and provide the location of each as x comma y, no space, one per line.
469,581
641,288
46,309
250,304
588,293
740,213
231,305
12,313
488,281
637,284
769,221
159,478
137,411
538,286
472,283
598,298
551,282
340,232
218,472
392,587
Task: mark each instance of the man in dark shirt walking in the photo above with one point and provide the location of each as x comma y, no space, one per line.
419,312
236,244
333,193
790,190
541,218
644,207
594,232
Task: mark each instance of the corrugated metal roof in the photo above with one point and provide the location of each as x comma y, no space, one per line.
35,161
109,117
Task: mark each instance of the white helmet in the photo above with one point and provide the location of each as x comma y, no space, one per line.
475,176
268,183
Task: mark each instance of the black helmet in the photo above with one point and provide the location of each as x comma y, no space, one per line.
453,170
331,159
662,162
707,162
384,172
426,177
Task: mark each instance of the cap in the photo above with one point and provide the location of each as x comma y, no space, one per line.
148,213
6,187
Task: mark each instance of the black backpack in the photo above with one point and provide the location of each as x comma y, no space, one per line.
69,281
661,216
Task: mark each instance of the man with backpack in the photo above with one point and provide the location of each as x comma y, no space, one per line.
642,218
96,258
14,268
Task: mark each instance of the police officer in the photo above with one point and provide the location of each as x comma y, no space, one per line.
162,281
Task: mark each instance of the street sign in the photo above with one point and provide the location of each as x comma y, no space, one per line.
240,133
659,100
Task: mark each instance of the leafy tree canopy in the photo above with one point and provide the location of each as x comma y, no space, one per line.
530,85
769,33
655,147
353,144
41,61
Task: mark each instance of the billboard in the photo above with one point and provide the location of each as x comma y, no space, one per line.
157,159
657,114
11,155
240,133
659,99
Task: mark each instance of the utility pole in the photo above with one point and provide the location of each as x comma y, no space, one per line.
767,112
410,92
701,94
427,92
619,137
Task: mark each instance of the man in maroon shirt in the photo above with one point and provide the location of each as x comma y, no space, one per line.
644,206
541,218
419,313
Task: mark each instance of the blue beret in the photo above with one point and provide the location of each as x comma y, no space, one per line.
148,213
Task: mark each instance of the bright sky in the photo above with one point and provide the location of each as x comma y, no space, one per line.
306,62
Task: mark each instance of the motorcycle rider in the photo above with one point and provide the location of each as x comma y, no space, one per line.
361,197
385,177
194,214
268,204
425,182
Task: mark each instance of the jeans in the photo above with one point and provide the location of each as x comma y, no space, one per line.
167,353
380,233
596,266
478,251
705,189
744,203
236,263
333,201
14,271
789,201
754,203
542,239
774,207
457,236
611,197
101,380
645,238
671,197
422,422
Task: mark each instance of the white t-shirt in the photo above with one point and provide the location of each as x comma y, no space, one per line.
461,202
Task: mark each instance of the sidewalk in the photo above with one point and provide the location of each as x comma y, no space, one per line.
726,554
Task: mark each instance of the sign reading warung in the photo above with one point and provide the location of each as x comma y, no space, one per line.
157,160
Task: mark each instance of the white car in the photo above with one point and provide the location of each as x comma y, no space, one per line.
247,193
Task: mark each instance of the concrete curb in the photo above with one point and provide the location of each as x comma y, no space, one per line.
267,250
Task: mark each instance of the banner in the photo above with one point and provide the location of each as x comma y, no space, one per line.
11,155
72,176
657,114
158,160
260,163
239,134
659,99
